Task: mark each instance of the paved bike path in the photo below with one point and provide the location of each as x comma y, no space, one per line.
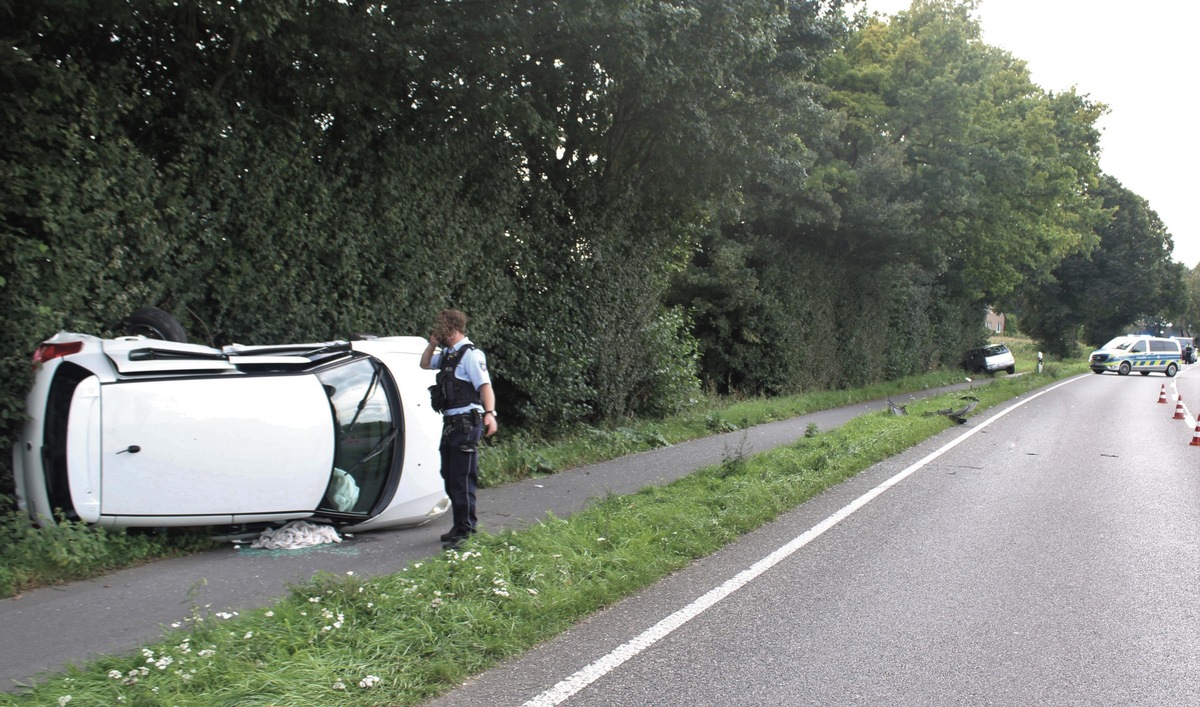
48,629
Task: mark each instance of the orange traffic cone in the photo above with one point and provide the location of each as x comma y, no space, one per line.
1162,394
1179,410
1196,437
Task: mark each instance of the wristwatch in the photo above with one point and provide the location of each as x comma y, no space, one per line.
490,412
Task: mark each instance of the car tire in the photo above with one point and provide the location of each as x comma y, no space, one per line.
1124,369
154,323
1172,369
1097,370
1011,370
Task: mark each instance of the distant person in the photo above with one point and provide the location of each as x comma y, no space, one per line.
464,396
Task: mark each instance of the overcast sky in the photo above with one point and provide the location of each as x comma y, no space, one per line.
1139,59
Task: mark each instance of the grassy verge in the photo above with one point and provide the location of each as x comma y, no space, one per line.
400,639
33,557
523,456
39,556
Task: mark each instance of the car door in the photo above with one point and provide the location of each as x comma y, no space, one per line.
215,446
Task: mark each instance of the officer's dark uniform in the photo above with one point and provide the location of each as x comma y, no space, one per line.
461,372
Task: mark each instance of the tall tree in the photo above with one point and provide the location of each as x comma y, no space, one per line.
1127,277
1001,170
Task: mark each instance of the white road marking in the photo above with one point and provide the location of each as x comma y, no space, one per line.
567,688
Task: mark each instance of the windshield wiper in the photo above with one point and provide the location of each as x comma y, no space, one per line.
362,404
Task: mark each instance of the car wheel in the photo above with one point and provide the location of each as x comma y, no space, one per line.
1124,369
154,323
1172,369
1097,370
1011,370
1144,373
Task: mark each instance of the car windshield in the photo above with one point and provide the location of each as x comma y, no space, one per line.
1121,343
366,431
996,350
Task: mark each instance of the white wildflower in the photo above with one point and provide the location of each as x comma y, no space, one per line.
314,600
207,653
249,635
339,685
368,682
269,614
532,591
163,662
64,699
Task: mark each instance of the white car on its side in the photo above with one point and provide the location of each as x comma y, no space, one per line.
135,431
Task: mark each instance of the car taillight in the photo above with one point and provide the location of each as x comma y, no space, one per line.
49,352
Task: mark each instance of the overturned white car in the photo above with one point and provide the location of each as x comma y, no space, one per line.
135,431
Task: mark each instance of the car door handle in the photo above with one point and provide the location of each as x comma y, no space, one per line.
132,449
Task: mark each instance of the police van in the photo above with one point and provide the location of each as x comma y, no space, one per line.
1144,354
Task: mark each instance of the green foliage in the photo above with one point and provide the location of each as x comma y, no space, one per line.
997,171
1190,318
333,640
34,556
1127,277
717,192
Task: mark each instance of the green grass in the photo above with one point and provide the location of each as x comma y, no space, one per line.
403,638
32,557
522,456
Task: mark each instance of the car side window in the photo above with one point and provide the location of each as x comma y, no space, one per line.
1139,347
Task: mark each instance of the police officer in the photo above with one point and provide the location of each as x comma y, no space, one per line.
468,408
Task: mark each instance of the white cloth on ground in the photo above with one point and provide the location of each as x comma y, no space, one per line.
295,535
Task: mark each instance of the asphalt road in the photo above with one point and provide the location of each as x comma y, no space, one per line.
1046,553
48,629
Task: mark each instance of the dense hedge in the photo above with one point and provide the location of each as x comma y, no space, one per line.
634,201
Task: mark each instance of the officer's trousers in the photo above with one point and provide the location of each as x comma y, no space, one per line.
460,468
